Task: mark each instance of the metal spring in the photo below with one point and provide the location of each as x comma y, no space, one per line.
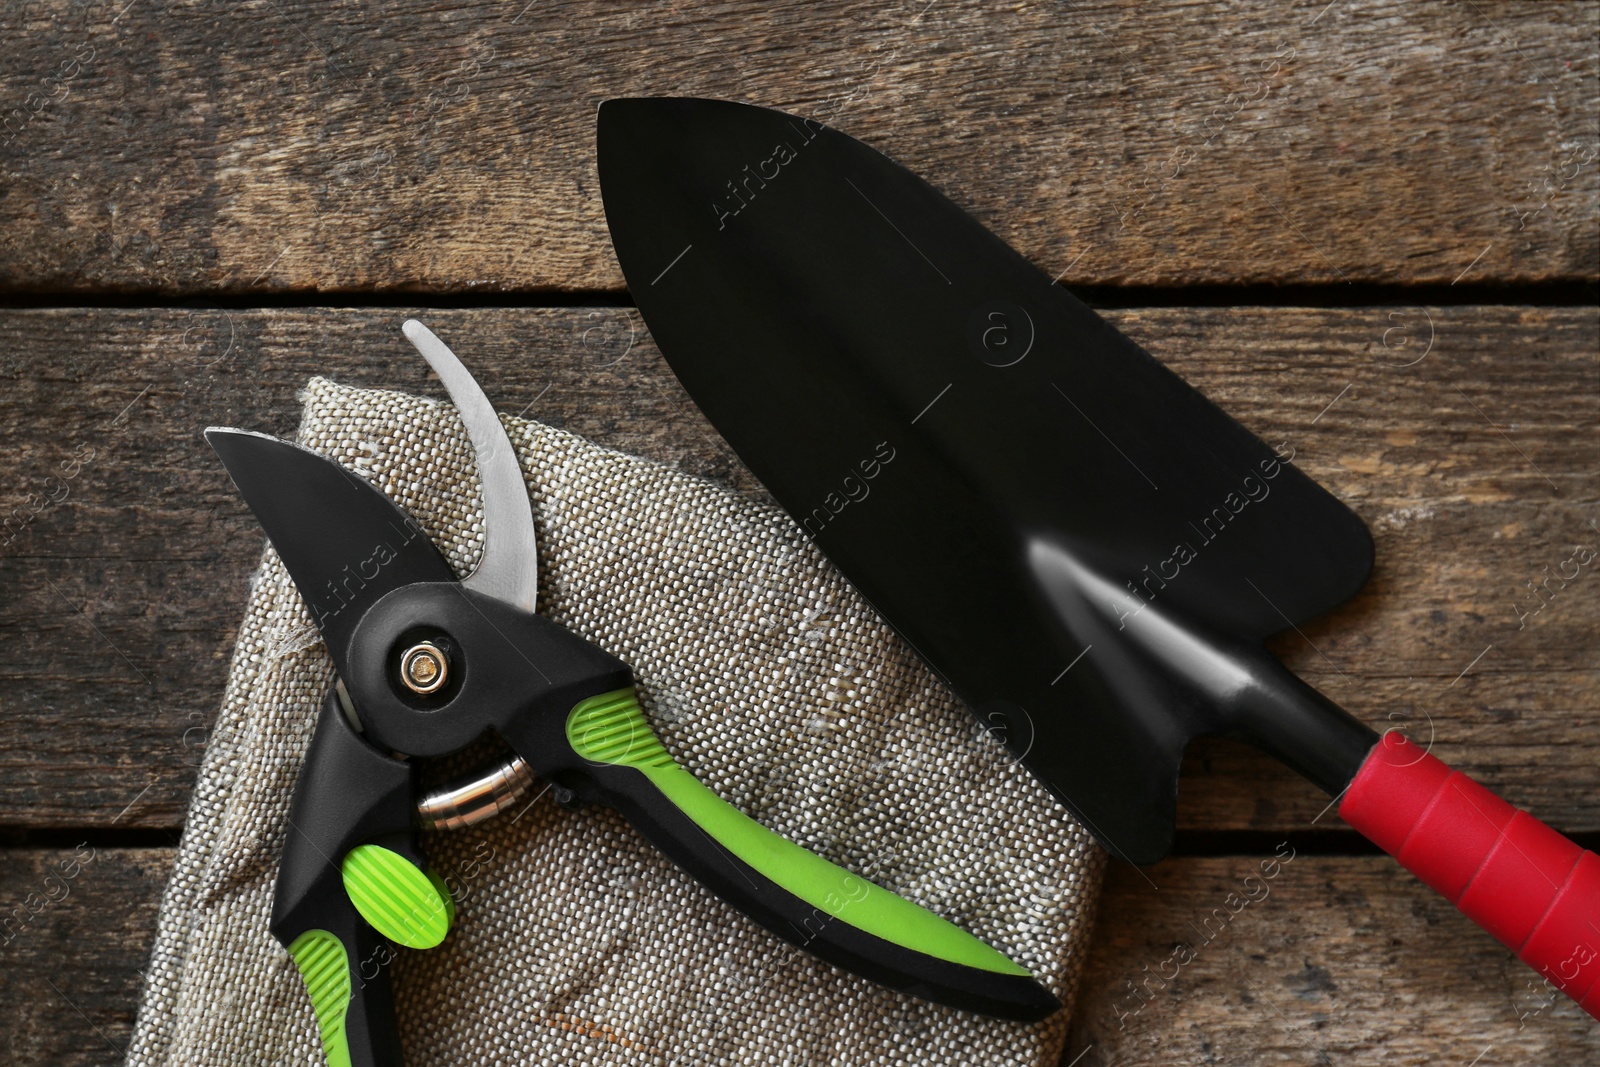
472,800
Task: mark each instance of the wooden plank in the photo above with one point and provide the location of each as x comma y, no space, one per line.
77,929
1454,459
122,599
292,146
1345,958
1333,960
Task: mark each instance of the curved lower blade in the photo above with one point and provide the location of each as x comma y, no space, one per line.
509,567
343,541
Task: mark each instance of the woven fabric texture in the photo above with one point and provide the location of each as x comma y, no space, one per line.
763,672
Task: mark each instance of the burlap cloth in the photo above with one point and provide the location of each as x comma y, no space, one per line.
575,942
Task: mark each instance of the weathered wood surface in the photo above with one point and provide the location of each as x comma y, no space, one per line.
190,148
78,925
1477,467
1333,961
198,147
1338,960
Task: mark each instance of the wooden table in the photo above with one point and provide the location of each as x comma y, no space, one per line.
1370,229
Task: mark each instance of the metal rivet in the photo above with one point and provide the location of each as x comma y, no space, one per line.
424,668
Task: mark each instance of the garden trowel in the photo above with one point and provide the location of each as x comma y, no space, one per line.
1084,547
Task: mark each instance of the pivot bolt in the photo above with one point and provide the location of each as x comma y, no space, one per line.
424,668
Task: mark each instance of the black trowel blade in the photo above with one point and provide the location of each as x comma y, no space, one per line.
1011,482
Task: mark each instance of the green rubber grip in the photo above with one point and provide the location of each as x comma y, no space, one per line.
320,958
403,903
399,901
611,729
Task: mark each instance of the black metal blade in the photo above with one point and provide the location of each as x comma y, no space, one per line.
343,541
1007,478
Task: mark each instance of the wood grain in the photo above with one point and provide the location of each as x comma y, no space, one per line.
1334,960
1343,960
197,147
1476,468
275,148
78,927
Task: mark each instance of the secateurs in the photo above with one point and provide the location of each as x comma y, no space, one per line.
426,665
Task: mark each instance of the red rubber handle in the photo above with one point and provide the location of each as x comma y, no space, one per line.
1534,890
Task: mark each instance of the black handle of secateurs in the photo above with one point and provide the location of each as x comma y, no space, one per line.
349,794
796,894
